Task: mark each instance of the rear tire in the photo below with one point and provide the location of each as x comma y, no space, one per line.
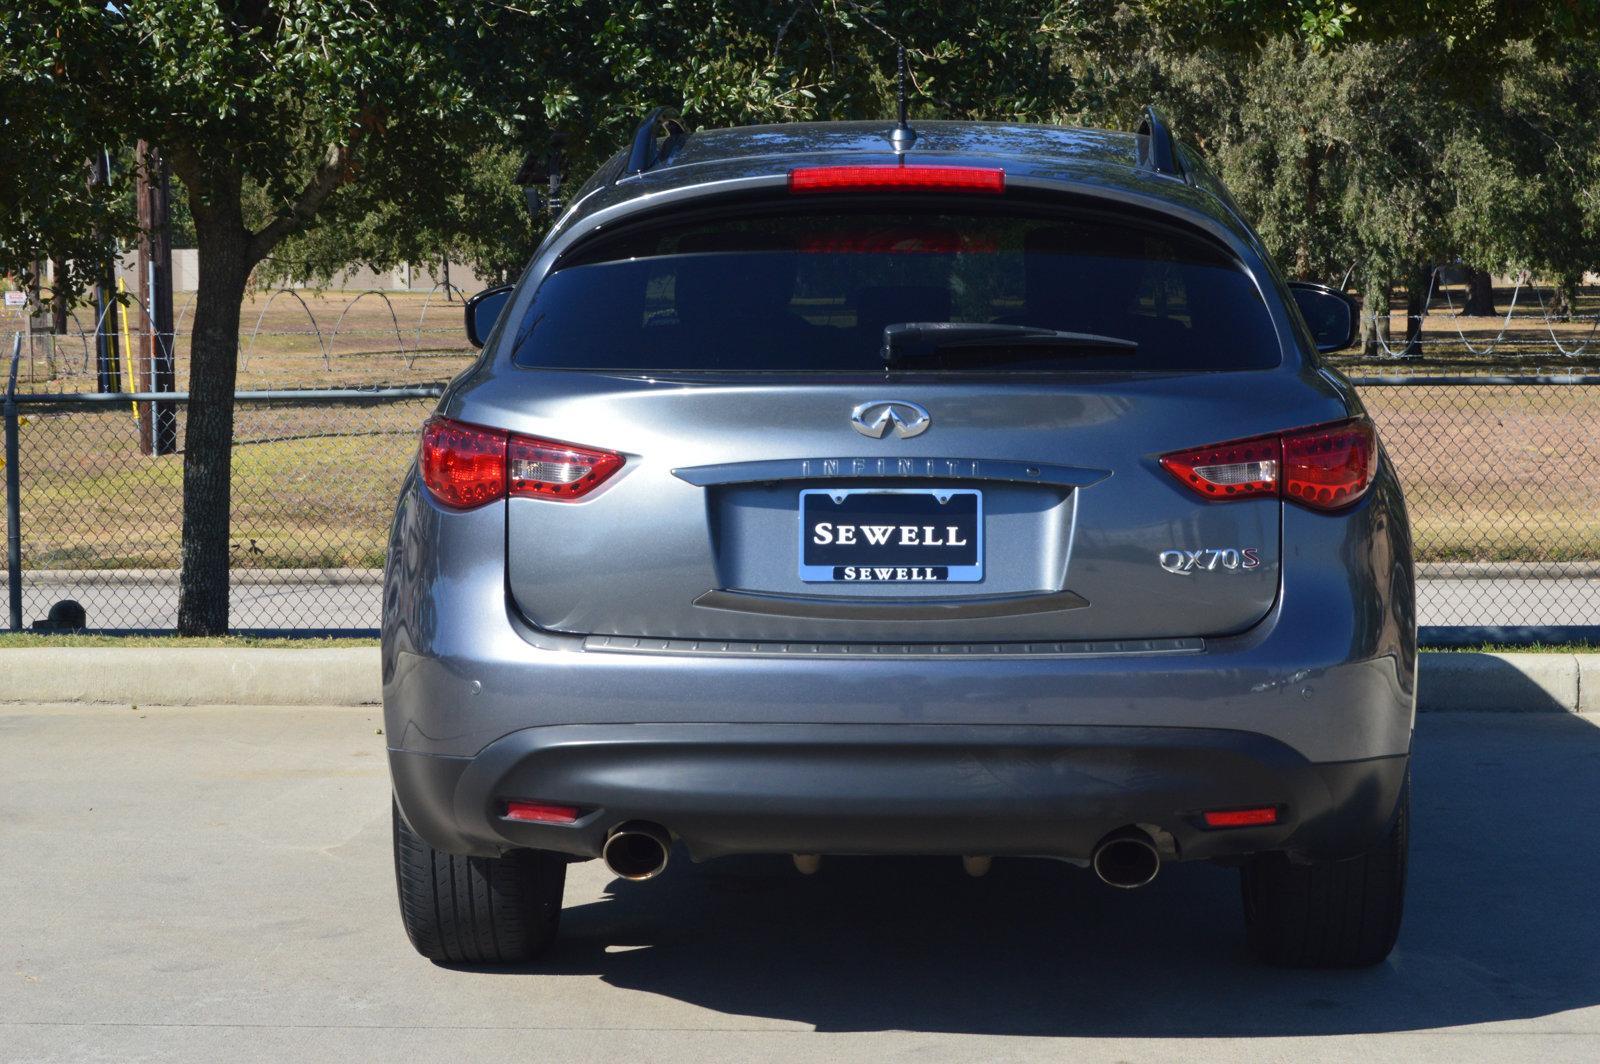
1330,914
476,910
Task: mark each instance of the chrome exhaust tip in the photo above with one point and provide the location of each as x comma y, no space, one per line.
1126,859
637,851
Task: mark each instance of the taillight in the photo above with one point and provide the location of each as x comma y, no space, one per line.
548,470
463,465
1324,467
979,179
1229,470
468,465
1331,466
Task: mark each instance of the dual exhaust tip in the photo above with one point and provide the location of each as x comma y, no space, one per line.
1125,859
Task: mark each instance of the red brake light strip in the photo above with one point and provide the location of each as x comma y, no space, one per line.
885,178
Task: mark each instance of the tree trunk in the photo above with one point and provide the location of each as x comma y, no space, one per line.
1416,310
1375,318
1566,307
225,261
1480,295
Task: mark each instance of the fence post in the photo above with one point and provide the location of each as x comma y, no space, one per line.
13,494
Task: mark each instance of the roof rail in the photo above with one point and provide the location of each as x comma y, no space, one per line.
643,154
1157,151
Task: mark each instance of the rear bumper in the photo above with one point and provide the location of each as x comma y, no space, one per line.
874,789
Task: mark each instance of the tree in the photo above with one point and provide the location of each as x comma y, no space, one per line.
295,100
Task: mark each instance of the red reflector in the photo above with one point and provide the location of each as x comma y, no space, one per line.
1330,466
463,465
1241,818
546,469
541,812
897,178
1323,467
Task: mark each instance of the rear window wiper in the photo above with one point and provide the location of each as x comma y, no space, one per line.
927,337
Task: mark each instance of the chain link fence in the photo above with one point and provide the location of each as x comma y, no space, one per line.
1502,482
315,477
1502,478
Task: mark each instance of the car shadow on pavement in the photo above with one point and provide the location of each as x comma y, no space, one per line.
1499,926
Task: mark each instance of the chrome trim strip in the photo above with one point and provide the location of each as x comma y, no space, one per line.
724,648
829,607
920,468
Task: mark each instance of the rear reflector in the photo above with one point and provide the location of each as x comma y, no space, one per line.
466,466
1324,467
541,813
1241,818
981,180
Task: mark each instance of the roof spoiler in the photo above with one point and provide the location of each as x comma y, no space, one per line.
1157,152
644,154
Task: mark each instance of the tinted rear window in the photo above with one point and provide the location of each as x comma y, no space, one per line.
798,292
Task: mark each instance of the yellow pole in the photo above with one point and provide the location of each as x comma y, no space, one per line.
127,349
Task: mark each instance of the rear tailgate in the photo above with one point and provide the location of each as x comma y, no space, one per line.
742,364
700,535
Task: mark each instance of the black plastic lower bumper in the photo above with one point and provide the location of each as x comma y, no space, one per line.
871,789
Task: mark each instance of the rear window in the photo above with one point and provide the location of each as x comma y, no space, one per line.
802,292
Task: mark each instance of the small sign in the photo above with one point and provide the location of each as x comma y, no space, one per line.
16,299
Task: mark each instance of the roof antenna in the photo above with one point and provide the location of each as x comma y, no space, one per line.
903,136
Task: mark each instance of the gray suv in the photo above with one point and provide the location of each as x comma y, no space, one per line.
847,489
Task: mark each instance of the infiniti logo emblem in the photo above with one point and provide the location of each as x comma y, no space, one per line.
873,419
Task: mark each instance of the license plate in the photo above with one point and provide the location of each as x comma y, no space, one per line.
891,535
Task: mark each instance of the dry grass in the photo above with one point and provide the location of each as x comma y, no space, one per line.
313,487
1496,473
304,339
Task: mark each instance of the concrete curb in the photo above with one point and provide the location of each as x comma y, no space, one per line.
189,676
1508,683
349,676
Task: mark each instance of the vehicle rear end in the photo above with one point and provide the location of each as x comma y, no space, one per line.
826,504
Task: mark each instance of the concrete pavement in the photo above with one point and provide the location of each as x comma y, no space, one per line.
215,884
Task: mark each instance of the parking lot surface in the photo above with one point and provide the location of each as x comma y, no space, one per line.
215,885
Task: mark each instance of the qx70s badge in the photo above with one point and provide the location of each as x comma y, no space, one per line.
872,419
1211,559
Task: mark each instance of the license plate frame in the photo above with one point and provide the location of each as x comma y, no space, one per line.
825,563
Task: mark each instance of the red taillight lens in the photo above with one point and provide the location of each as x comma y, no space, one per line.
1324,467
981,180
1330,467
1229,470
1241,818
467,465
540,813
463,465
545,469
